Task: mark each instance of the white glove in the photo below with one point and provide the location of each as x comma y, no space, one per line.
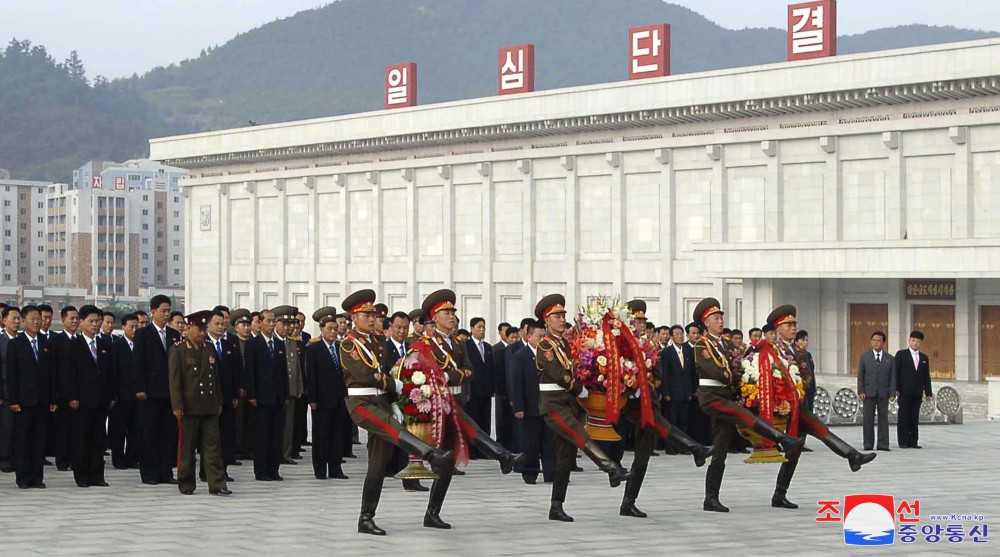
583,393
399,386
446,377
397,413
635,395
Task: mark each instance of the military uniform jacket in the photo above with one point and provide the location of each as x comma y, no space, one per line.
194,379
296,375
711,362
360,359
452,359
555,366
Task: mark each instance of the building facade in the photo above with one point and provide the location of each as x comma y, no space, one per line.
116,230
22,220
860,188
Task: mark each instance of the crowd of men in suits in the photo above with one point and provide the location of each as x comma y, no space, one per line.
90,389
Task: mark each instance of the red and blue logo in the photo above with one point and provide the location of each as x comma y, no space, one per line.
869,520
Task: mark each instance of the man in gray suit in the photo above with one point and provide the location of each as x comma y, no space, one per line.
877,388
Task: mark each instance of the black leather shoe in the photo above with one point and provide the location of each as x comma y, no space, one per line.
577,468
262,478
915,447
23,486
150,482
617,476
712,504
223,491
366,525
171,481
339,476
288,461
82,484
530,480
234,463
187,492
62,468
38,485
120,466
857,460
433,520
556,512
886,449
101,483
628,508
458,472
229,478
782,502
414,485
277,478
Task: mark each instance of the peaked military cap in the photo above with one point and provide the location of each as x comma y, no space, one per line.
550,305
325,311
360,301
381,309
284,313
706,307
199,318
437,301
240,315
416,314
638,308
767,328
781,315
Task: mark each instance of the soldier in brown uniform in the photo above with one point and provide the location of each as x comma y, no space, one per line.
645,437
440,307
196,398
241,320
784,321
370,392
557,402
285,317
718,388
417,320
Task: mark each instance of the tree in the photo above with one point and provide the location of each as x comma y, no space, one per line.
74,67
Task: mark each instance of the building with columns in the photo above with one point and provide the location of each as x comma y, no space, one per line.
863,189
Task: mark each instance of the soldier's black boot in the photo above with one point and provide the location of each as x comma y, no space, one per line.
779,500
556,512
432,518
489,447
632,487
616,474
370,495
843,449
442,462
713,483
701,453
784,441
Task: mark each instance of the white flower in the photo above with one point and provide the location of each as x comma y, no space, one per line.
600,378
426,389
628,364
602,361
649,363
616,332
747,366
418,378
591,343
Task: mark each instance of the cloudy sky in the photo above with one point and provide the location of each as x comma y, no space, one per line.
118,37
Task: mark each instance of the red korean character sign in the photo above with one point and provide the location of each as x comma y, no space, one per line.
401,85
516,69
649,51
812,30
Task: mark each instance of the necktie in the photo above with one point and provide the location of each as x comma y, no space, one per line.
333,354
270,347
93,349
482,351
402,351
34,348
916,360
218,349
163,338
878,357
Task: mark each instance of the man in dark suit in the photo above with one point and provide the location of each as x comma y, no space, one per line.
229,364
502,411
267,393
61,428
152,389
877,388
699,424
913,380
396,346
31,396
326,390
537,439
85,381
480,404
11,317
677,363
510,356
123,421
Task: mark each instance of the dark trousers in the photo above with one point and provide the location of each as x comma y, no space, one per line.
159,440
62,435
538,442
123,433
880,404
30,428
244,429
301,430
505,422
480,408
699,425
908,420
328,432
6,436
89,440
201,434
810,399
678,412
268,433
227,432
350,433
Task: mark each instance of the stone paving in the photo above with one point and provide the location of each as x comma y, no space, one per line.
956,472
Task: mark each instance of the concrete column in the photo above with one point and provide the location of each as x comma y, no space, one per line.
225,249
774,194
340,181
373,179
966,332
718,195
573,218
283,293
411,240
833,191
895,189
489,228
668,240
528,241
899,314
616,160
447,232
251,187
962,195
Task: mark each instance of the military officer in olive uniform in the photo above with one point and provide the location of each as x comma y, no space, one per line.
645,437
718,388
370,394
785,323
558,394
286,317
440,307
417,321
196,399
241,321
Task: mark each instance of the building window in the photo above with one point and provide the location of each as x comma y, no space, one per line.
145,257
177,243
176,199
177,258
6,233
177,228
120,202
41,263
145,241
40,220
145,212
41,249
145,226
177,214
6,202
145,198
145,270
159,204
159,249
177,272
6,277
40,205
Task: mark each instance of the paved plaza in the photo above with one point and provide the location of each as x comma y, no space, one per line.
500,515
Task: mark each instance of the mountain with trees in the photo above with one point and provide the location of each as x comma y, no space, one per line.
331,60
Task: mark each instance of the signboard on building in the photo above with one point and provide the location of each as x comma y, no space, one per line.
401,85
96,183
930,290
119,182
516,69
649,51
812,30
